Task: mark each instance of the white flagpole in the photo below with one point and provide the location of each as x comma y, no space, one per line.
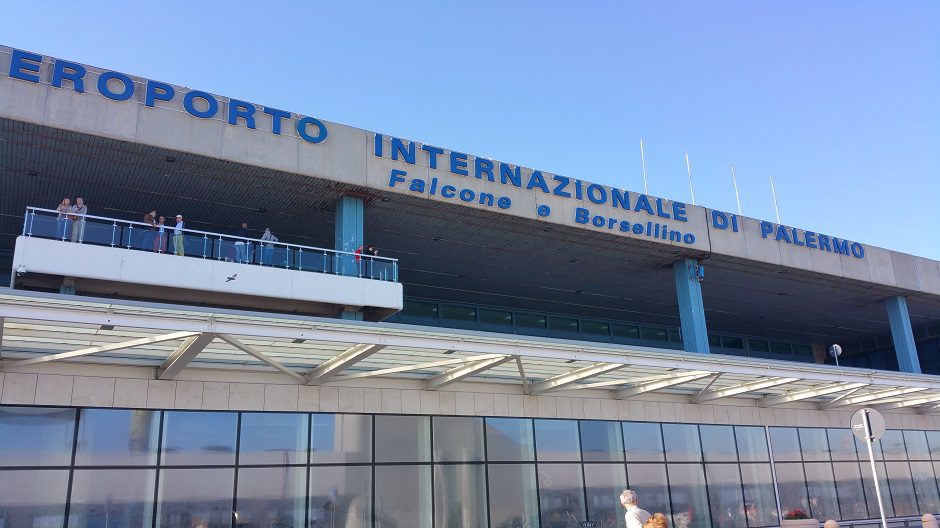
646,189
774,191
688,167
737,197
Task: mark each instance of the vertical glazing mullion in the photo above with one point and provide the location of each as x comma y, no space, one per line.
486,474
238,439
701,446
535,461
737,455
372,483
431,458
307,473
68,489
587,517
156,484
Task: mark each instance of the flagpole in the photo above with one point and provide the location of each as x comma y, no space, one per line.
646,189
688,167
774,191
737,197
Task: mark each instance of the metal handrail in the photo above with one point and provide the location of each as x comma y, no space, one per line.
170,228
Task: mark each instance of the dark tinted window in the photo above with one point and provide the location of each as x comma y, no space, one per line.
654,334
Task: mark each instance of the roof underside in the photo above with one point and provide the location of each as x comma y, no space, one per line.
484,258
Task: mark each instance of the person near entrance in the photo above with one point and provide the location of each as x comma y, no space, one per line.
635,517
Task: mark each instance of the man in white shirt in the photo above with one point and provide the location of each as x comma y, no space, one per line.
635,516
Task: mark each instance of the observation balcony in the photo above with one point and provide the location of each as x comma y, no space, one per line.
108,256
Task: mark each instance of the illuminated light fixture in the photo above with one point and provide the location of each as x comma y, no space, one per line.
169,159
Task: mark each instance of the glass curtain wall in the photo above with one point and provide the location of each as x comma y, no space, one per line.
89,468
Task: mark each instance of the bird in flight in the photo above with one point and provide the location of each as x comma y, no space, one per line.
230,279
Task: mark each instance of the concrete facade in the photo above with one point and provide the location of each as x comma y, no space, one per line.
348,156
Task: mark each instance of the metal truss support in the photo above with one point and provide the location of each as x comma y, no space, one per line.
183,354
865,398
342,361
96,349
464,371
525,381
662,383
557,382
908,403
409,368
807,393
741,389
248,349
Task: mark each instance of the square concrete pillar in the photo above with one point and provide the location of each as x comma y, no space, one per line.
902,335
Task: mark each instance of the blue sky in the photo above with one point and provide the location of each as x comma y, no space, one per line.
839,100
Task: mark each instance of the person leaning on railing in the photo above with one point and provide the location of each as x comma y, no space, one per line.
79,210
159,243
63,222
267,249
178,236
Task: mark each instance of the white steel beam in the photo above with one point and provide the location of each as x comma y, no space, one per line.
464,371
408,368
557,382
741,389
251,351
870,397
807,393
183,354
96,349
907,403
525,381
342,361
662,383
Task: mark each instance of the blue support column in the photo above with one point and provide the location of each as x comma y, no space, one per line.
691,309
902,335
348,237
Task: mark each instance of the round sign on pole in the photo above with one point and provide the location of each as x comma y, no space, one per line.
876,423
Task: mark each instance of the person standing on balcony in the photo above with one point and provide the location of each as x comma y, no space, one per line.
79,210
159,243
63,223
371,253
178,236
241,245
267,251
150,219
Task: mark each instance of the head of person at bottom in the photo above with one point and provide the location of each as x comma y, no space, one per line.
658,520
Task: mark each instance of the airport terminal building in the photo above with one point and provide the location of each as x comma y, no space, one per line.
519,347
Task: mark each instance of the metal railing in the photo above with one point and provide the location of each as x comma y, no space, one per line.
140,236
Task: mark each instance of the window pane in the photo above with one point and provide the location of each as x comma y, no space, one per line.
199,438
459,496
916,442
531,324
801,350
785,444
759,494
752,444
455,312
724,495
718,443
595,328
625,331
682,443
814,444
732,342
509,439
195,497
32,436
340,496
757,345
689,496
340,438
566,327
649,483
557,440
513,500
792,487
780,348
273,438
862,450
419,311
402,439
842,444
892,444
822,491
402,496
643,441
653,333
603,484
902,488
925,485
115,498
870,488
560,494
600,441
115,437
495,319
933,440
850,492
271,496
458,439
34,499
